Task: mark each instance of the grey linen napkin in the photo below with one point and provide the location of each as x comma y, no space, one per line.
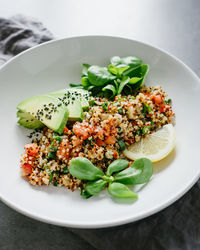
176,227
20,33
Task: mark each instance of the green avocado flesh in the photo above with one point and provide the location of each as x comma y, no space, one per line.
71,93
48,110
28,121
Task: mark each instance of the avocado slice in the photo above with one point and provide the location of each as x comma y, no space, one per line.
47,109
75,110
79,94
28,121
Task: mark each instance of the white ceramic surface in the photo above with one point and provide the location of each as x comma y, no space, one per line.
49,67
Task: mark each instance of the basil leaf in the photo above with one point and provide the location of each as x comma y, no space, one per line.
110,90
94,187
98,76
116,166
117,70
119,190
126,61
83,169
138,173
124,81
85,68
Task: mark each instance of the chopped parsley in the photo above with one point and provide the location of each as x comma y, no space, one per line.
169,101
146,108
105,106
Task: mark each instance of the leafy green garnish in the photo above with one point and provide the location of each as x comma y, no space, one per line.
98,76
123,76
139,172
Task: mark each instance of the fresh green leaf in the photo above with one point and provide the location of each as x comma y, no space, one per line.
98,76
139,72
126,61
85,194
110,90
85,68
116,70
122,145
134,80
126,176
85,82
138,173
83,169
127,90
119,190
75,85
116,166
94,187
116,84
124,81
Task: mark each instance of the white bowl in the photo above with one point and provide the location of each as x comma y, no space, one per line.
49,67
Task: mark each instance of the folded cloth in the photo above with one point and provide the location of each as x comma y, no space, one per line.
176,227
19,33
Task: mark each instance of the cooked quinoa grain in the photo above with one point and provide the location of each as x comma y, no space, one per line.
126,119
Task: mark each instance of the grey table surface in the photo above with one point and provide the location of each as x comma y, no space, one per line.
173,25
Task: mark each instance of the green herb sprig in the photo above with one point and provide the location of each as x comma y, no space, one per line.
116,177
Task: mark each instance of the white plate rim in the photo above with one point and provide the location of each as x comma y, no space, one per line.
128,219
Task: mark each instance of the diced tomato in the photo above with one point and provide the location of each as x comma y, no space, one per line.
162,108
67,131
82,130
116,155
157,99
146,93
110,140
27,168
99,142
64,150
31,149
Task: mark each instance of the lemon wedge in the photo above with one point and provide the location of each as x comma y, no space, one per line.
155,146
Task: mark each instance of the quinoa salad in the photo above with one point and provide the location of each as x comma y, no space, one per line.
102,131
